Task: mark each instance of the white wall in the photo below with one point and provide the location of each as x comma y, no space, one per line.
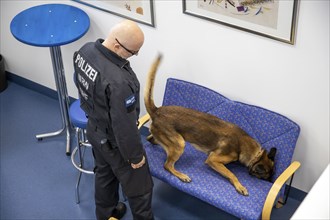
291,80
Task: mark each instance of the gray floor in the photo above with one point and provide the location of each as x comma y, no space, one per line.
38,179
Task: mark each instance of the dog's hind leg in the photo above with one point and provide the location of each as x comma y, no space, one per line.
217,162
174,147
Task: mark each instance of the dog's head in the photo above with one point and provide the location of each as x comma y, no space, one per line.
264,167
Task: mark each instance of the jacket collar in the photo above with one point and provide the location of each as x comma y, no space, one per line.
121,62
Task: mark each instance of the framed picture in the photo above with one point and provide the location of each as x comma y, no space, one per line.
274,19
137,10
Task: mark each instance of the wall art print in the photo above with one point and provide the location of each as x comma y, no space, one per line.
275,19
138,10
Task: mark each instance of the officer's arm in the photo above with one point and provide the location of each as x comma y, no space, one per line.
123,122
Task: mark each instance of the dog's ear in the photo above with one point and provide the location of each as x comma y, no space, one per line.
272,153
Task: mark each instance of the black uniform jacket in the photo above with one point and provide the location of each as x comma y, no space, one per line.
109,93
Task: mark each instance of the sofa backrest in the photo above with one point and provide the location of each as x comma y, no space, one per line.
270,129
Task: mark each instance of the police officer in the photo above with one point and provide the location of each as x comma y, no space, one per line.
109,94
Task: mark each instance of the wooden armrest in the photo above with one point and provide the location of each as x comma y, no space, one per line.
273,192
144,119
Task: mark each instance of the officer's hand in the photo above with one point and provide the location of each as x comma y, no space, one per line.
140,164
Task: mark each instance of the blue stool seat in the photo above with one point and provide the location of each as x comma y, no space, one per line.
77,115
79,121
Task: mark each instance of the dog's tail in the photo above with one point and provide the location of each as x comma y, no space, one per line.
149,88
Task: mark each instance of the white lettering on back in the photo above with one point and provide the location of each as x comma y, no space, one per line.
86,68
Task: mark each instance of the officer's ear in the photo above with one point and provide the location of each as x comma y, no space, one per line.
116,46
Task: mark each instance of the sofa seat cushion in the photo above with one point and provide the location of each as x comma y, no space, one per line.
210,186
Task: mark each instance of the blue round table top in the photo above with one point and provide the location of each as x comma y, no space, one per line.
50,25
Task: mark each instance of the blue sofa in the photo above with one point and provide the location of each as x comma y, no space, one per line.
269,128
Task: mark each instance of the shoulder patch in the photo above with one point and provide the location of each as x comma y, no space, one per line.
129,101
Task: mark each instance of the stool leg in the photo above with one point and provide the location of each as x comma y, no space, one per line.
83,147
77,188
80,161
80,139
82,144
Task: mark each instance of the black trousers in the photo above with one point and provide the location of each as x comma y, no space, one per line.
110,170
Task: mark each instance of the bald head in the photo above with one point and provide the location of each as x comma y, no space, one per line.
124,38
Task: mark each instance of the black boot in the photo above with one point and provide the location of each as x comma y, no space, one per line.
119,211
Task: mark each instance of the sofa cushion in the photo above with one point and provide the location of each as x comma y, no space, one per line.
210,186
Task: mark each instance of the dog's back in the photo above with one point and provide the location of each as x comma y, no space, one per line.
202,129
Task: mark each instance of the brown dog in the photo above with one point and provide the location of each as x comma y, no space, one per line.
224,142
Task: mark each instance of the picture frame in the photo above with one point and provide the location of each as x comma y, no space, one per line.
137,10
275,19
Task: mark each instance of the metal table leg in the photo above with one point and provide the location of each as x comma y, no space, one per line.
63,97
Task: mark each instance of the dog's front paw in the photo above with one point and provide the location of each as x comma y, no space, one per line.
242,190
185,178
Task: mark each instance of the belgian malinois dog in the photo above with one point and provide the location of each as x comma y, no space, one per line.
223,142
